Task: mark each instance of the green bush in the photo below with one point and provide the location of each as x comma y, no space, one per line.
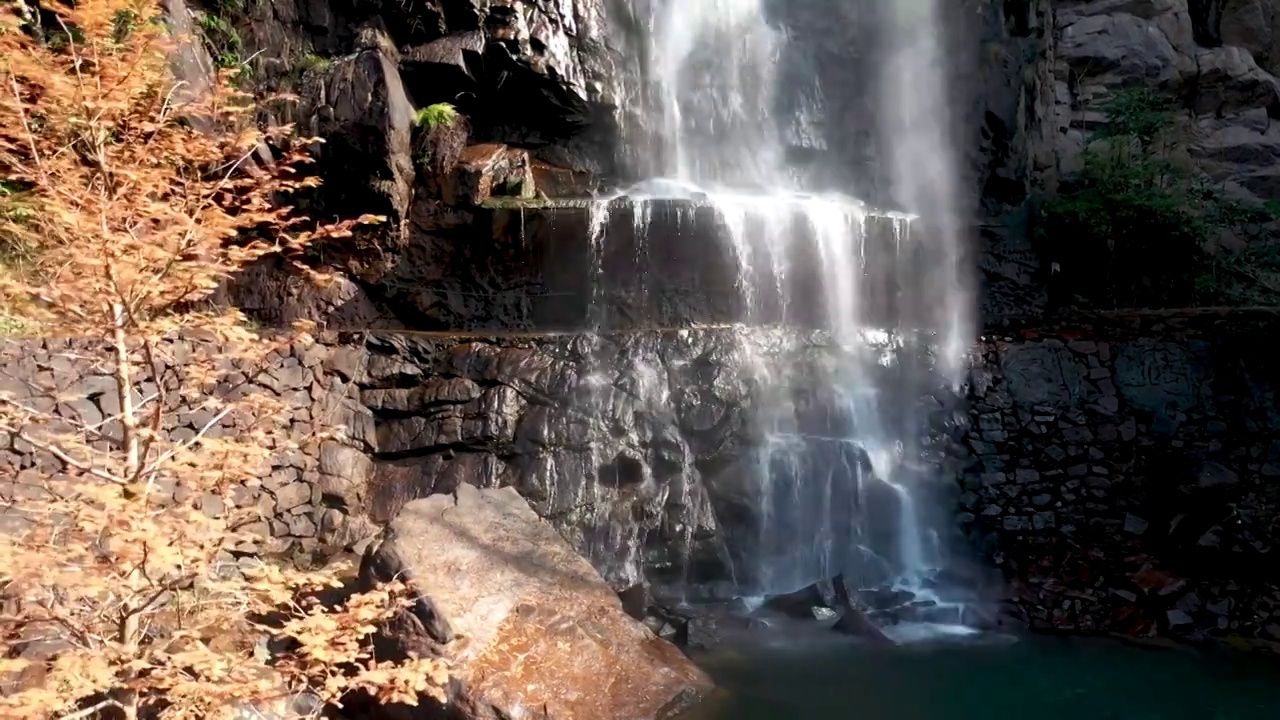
435,116
1130,229
441,135
311,61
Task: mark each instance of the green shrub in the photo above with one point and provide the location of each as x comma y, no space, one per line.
311,61
435,116
441,135
1130,229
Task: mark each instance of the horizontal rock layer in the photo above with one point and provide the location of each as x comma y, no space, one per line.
573,265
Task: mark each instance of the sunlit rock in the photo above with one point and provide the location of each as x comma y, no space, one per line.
528,626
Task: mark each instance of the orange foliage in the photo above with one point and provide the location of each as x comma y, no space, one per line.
145,197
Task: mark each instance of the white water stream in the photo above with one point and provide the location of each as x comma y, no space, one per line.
711,135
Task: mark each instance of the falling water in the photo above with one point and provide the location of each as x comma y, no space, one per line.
711,135
923,164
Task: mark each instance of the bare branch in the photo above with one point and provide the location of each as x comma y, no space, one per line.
26,124
93,710
61,454
197,439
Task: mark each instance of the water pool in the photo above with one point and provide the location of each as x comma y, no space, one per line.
804,675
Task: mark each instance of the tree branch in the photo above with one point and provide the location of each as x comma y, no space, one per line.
153,466
91,710
61,454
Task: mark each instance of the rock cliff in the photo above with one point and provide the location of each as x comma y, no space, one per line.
548,78
1045,69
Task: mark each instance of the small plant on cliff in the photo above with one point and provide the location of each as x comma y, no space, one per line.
435,116
309,62
441,136
116,599
1133,226
222,40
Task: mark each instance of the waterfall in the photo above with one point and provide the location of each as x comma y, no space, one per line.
710,132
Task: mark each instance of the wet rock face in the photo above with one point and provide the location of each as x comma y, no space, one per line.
1126,485
642,448
576,265
576,435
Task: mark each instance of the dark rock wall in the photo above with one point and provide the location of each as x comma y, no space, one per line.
641,446
578,266
1123,473
527,72
1026,78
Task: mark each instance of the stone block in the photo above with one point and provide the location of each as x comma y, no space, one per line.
291,496
348,362
485,553
489,170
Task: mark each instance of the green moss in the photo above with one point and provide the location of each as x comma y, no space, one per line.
311,61
435,116
11,326
222,40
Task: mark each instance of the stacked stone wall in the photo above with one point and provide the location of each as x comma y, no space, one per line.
307,502
1126,474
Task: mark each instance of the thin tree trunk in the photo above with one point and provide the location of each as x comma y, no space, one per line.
124,386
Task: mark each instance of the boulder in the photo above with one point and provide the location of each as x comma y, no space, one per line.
360,107
1241,150
1253,25
805,603
855,622
1229,81
1120,49
527,625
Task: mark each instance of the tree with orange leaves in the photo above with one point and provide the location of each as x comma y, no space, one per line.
134,194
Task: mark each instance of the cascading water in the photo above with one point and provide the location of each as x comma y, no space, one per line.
711,135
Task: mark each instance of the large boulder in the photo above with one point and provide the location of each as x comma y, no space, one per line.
360,107
527,625
1253,25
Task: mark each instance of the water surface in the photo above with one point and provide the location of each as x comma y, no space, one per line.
809,677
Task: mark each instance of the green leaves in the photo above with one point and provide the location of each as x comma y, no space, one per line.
222,39
1137,113
435,116
1133,228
